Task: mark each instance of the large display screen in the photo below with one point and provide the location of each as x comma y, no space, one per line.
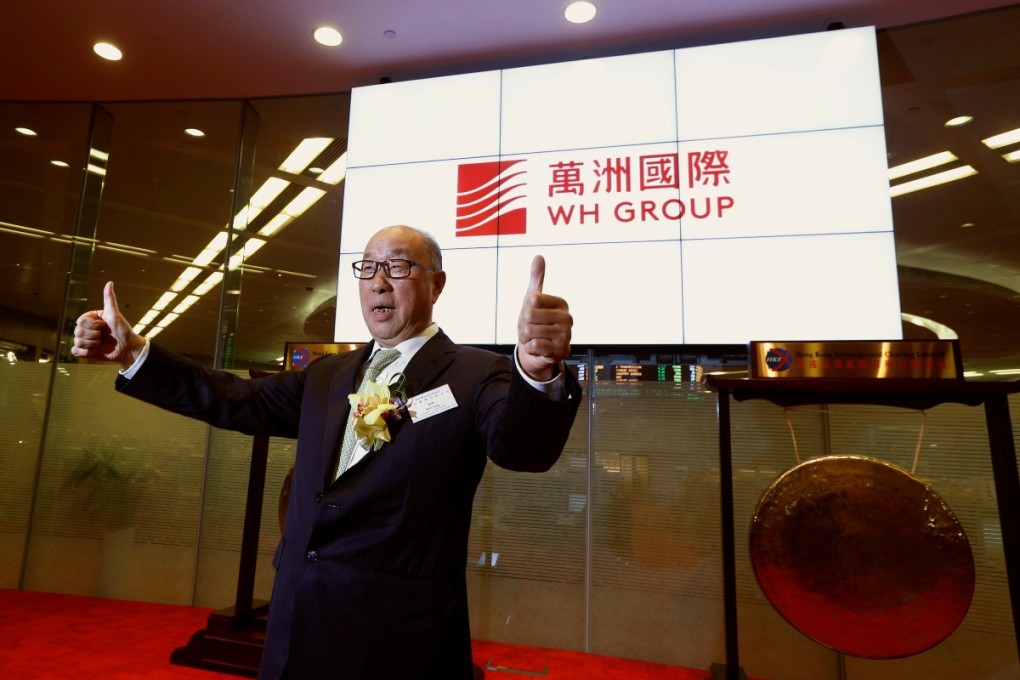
707,195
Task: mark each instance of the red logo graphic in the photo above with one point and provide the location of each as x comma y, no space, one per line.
484,192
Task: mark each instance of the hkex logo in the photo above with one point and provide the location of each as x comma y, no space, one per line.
485,192
779,359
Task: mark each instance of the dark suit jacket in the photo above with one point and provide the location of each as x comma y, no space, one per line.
371,568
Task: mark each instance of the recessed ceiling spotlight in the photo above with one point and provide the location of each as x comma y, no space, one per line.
59,164
580,12
967,225
316,171
958,121
107,51
28,132
328,36
194,132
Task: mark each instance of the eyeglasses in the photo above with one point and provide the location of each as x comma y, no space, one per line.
395,269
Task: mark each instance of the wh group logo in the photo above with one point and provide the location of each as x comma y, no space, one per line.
490,197
642,188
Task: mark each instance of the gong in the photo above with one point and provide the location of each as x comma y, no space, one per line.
862,557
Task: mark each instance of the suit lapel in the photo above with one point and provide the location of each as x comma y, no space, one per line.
340,386
424,369
428,364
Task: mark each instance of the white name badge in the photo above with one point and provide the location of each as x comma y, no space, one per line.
433,402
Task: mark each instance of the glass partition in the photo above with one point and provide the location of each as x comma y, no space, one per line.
285,290
655,551
120,484
43,156
528,550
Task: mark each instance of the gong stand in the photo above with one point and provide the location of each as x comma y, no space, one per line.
234,637
918,394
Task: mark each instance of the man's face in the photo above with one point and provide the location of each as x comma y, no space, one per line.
399,309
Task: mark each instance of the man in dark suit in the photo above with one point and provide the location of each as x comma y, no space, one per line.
370,578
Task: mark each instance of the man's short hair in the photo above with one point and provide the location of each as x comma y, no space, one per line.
432,248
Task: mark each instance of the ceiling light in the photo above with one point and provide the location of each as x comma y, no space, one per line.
315,170
210,282
28,132
1012,156
260,200
59,164
186,277
185,303
107,51
194,132
920,164
124,246
967,225
266,193
103,246
303,201
1004,139
210,252
274,225
958,121
167,320
96,170
580,12
252,245
22,233
19,229
328,36
305,152
1007,371
932,180
245,216
336,172
163,301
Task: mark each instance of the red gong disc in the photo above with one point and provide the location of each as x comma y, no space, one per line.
862,557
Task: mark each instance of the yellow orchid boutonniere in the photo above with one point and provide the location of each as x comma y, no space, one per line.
374,407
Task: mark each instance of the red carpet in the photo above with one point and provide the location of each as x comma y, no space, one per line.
43,635
64,636
508,660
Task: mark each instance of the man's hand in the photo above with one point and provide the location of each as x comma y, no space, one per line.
543,329
106,334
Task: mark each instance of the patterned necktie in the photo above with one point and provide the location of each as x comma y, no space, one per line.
381,360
